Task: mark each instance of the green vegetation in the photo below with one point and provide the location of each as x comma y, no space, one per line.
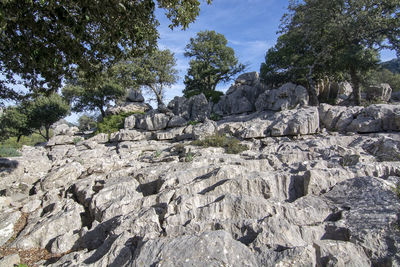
193,123
7,152
215,117
86,122
33,115
331,39
112,123
213,62
154,71
189,156
231,144
392,65
45,41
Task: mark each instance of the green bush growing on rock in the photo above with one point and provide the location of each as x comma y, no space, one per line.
112,123
231,144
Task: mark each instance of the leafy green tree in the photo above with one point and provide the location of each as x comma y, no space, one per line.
33,115
43,111
213,62
42,41
334,38
86,122
86,94
155,71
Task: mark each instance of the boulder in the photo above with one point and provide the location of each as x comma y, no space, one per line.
7,221
176,121
395,96
288,96
238,99
128,107
381,92
134,96
249,78
130,122
152,121
64,129
128,135
195,108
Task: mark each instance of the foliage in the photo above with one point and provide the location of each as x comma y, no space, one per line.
77,140
87,94
392,65
112,123
332,38
231,144
42,41
193,123
189,156
383,76
215,117
46,110
86,122
8,151
36,114
212,62
30,140
153,71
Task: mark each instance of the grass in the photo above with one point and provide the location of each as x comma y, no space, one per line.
8,152
231,144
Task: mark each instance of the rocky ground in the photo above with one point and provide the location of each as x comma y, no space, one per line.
317,186
309,199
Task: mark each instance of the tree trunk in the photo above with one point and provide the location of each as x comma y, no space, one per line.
103,113
356,86
312,90
47,132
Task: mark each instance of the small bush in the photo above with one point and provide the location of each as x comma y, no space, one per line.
215,117
77,140
231,144
112,123
189,157
8,152
193,123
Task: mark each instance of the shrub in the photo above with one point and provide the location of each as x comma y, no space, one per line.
8,152
215,117
112,123
231,144
193,123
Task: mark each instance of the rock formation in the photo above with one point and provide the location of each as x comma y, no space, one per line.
316,187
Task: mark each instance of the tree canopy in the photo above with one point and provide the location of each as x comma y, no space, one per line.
332,38
42,41
212,62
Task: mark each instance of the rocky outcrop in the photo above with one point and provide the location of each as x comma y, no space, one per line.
381,92
134,103
195,108
374,118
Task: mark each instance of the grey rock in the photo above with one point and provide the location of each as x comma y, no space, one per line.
7,221
62,176
238,99
395,96
169,134
100,138
128,107
64,129
385,149
134,96
288,96
176,121
61,140
202,130
195,108
130,122
249,78
10,260
381,92
128,135
208,249
153,121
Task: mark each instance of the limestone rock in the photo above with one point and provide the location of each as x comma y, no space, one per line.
208,249
152,121
7,221
10,260
381,92
288,96
134,96
128,135
195,108
130,122
64,129
249,78
128,107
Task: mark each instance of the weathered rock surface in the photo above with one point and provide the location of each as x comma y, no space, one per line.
381,92
195,108
298,196
128,107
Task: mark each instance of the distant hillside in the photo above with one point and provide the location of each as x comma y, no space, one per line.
392,65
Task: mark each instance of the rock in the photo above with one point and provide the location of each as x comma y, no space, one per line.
128,135
10,260
152,121
100,138
176,121
215,248
385,149
134,96
57,220
31,206
200,131
288,96
170,134
7,221
238,99
395,96
381,92
64,129
195,108
64,243
340,253
333,92
62,176
61,140
128,107
130,122
344,92
250,79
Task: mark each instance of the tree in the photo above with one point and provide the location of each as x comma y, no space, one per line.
337,37
33,115
43,111
213,62
42,41
86,122
87,94
155,71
